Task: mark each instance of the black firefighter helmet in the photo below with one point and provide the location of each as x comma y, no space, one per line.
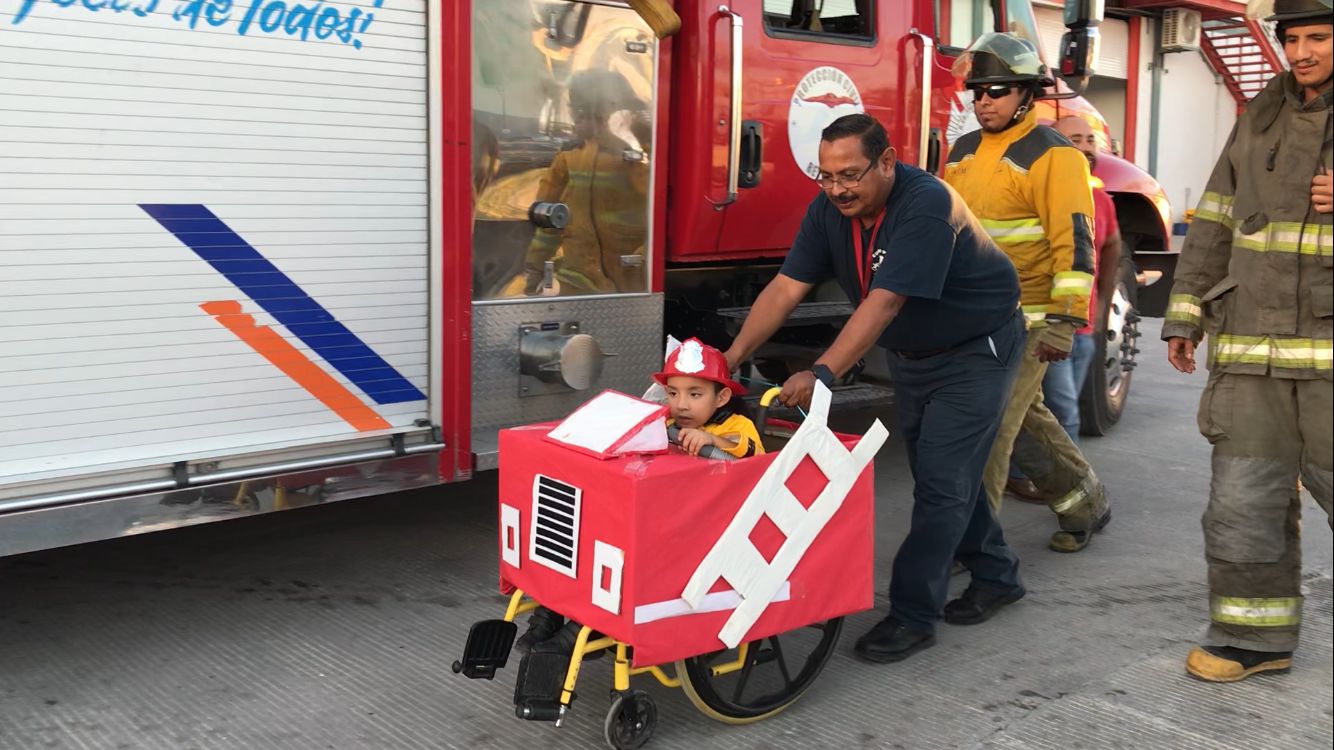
1289,13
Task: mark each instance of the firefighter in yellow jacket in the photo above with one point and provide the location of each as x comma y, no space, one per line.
1255,277
1029,188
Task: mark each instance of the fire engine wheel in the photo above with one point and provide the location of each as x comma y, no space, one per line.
631,720
771,677
1107,387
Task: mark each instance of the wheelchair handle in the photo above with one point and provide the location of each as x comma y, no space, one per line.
762,413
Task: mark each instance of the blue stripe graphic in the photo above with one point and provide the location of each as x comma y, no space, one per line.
243,265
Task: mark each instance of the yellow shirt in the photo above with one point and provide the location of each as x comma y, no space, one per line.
739,429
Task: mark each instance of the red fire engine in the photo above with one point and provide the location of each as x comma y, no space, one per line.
257,256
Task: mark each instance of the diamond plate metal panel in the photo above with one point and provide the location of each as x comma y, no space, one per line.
628,327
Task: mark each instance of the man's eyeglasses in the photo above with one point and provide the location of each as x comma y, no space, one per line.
995,91
843,180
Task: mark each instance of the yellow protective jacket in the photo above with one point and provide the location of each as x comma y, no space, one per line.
1030,189
1257,270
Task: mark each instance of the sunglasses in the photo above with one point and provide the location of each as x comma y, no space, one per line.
995,91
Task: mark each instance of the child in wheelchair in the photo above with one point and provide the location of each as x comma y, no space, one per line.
705,411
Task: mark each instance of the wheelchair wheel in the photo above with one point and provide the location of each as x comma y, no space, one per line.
631,720
774,673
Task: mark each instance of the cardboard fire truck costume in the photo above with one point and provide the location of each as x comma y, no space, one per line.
680,556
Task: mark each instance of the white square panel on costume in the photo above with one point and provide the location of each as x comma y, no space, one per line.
608,561
509,534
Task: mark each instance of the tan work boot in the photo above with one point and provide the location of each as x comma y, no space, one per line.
1229,664
1072,540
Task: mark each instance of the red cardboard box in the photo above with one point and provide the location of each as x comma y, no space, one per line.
614,544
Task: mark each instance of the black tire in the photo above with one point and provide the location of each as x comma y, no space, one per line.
1107,387
630,721
766,684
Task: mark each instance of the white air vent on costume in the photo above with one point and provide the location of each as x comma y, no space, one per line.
509,534
1181,30
555,531
608,560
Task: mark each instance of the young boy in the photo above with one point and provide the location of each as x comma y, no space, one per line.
705,403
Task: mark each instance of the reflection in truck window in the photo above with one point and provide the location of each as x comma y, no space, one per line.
562,114
602,179
835,17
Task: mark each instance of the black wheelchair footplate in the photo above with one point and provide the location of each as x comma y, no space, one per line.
538,688
487,649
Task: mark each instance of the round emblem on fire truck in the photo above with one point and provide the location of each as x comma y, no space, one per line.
821,96
962,120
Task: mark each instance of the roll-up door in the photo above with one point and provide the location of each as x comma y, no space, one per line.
213,230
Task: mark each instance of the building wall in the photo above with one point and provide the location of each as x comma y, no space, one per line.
1195,113
1195,117
1144,93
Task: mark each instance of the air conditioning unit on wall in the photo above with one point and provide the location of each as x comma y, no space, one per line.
1181,30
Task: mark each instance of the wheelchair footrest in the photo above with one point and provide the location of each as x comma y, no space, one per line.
487,649
538,688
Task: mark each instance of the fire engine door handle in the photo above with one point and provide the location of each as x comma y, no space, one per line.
927,53
933,151
734,118
752,153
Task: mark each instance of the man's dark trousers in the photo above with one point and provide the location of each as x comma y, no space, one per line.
949,409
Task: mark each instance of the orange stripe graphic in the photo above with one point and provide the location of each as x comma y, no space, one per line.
295,365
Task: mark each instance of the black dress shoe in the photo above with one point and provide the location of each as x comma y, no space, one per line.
891,640
542,624
977,605
563,641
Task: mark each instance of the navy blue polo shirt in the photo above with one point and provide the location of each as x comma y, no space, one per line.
929,249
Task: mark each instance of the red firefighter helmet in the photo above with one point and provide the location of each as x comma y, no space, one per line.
696,359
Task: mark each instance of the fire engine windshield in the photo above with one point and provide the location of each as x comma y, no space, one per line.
960,22
563,131
1021,22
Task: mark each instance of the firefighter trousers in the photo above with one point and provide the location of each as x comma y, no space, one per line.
1266,432
1050,460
